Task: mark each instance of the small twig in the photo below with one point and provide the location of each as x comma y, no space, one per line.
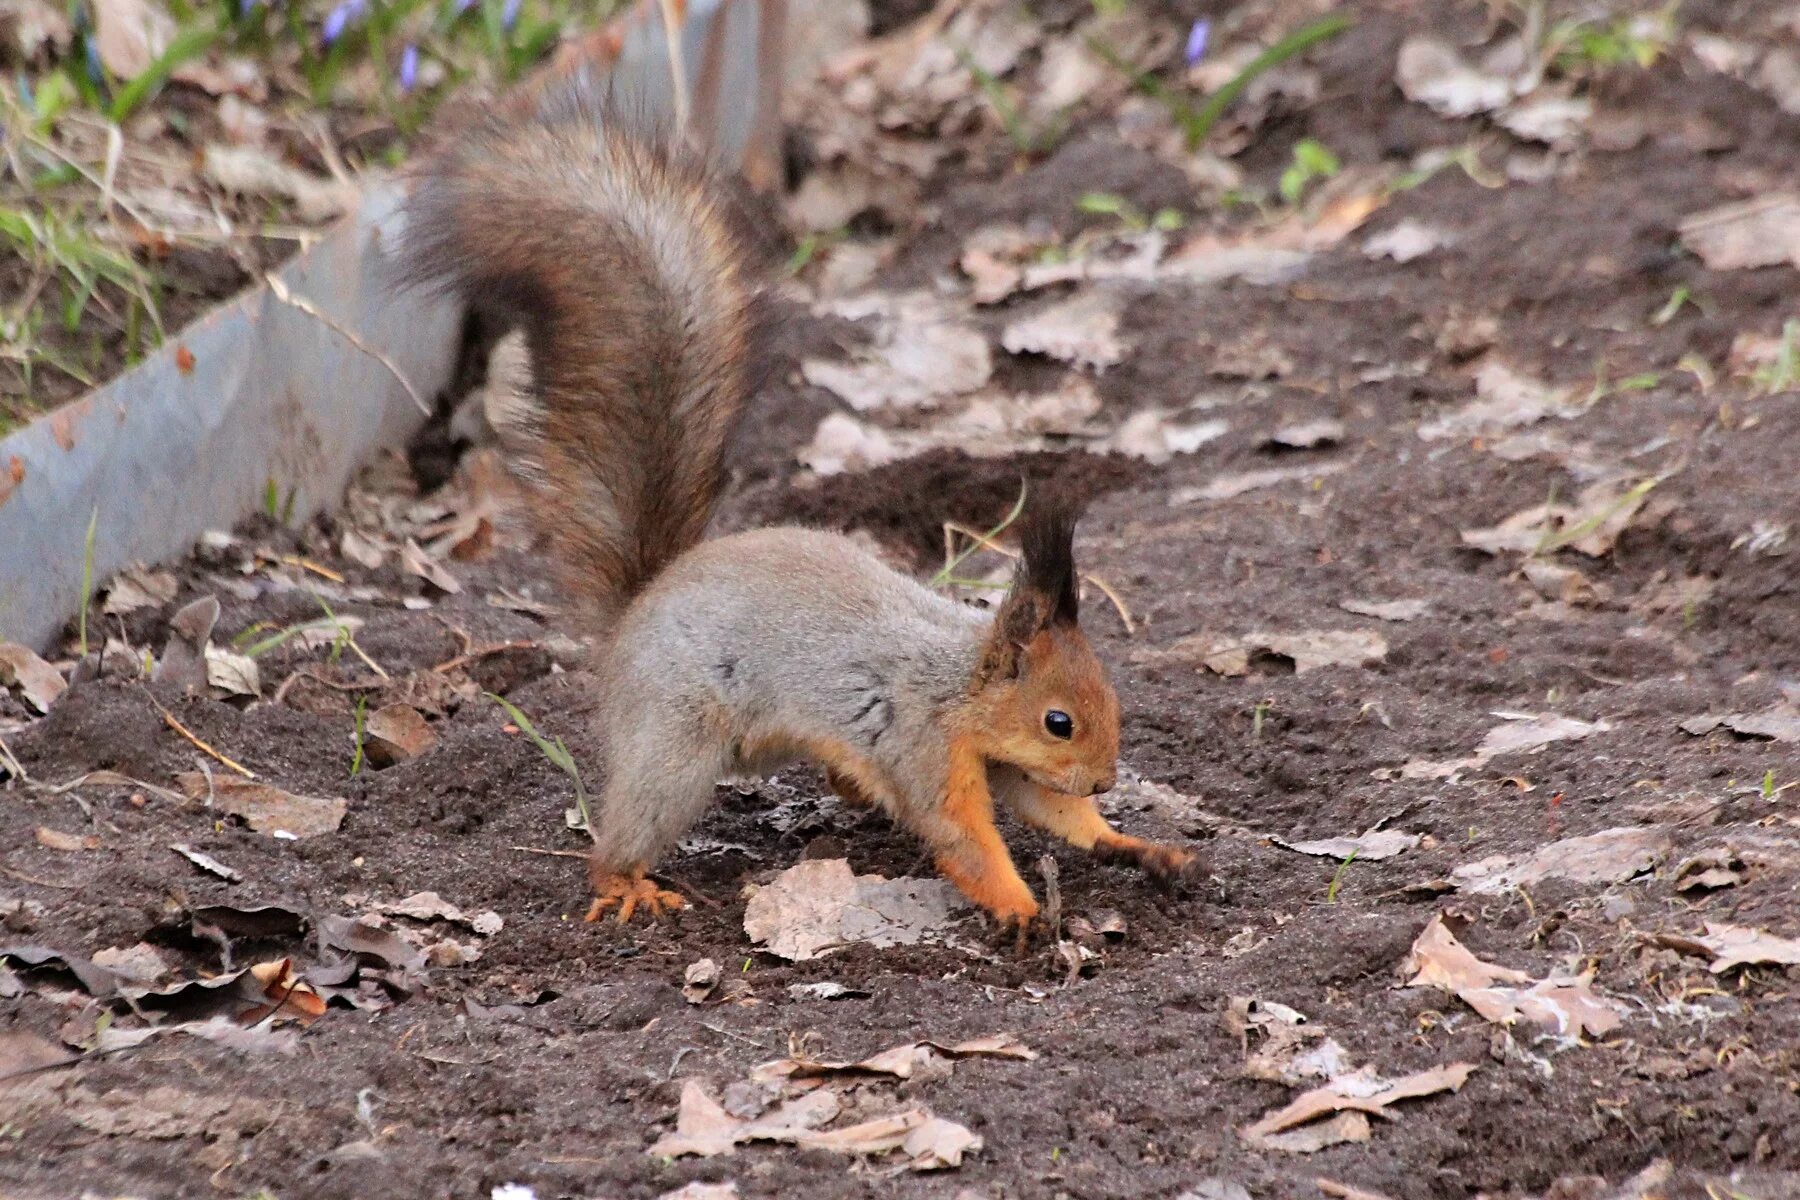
34,880
478,653
354,685
551,853
169,719
1105,588
279,290
12,764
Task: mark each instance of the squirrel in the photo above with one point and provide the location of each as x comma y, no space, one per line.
612,244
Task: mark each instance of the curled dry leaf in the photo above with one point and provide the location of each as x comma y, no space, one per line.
1763,232
1709,870
131,34
1387,610
1610,856
818,906
1309,651
231,673
1407,240
1363,1092
898,1062
1082,330
1432,73
1504,400
1309,435
1736,946
1565,1005
1591,525
1526,733
65,843
396,733
922,353
699,980
1374,845
415,561
429,906
703,1127
139,587
1225,487
1778,723
1155,436
208,863
38,682
264,807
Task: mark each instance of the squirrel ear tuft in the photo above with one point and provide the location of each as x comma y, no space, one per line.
1044,592
1047,568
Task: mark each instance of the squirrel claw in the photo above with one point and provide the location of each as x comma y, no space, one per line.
629,893
1020,929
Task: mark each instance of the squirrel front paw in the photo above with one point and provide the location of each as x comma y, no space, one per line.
629,893
1164,863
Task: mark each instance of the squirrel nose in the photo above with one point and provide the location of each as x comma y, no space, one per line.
1104,785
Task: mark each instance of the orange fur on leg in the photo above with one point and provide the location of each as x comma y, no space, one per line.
975,857
1077,821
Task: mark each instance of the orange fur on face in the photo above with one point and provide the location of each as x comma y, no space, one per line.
1056,669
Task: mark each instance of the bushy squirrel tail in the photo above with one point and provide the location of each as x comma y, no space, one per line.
611,246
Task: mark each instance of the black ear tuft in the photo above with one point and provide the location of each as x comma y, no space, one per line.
1047,539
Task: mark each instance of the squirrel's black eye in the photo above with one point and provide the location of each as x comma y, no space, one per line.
1060,724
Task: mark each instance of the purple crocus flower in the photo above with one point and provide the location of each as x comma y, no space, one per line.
246,7
409,67
460,7
95,71
339,19
509,15
1196,42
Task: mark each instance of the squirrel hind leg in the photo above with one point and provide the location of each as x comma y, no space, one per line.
654,793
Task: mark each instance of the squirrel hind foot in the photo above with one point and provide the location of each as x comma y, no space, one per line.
629,893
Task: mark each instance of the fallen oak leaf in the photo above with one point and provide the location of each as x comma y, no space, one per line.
818,906
1736,946
65,843
1362,1092
40,683
266,808
1372,846
1567,1006
1610,856
898,1062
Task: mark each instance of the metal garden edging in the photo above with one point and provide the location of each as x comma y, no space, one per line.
260,393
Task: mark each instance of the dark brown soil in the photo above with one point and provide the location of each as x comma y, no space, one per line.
1137,1090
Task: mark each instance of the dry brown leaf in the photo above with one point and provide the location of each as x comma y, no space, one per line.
1762,232
1082,331
1234,656
1610,856
1387,610
1778,723
1431,72
922,353
1505,400
396,733
705,1129
139,587
1407,240
264,807
818,906
131,34
65,843
429,906
1738,946
1309,435
1372,846
232,673
1524,732
40,683
1320,1135
898,1062
415,561
699,980
1567,1006
1361,1092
